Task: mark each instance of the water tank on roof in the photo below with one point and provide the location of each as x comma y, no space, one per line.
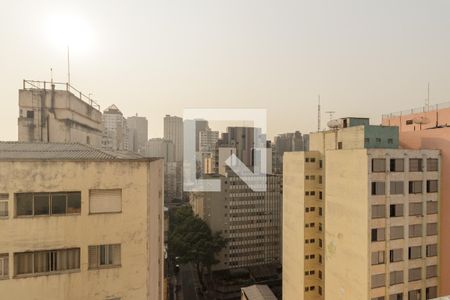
334,124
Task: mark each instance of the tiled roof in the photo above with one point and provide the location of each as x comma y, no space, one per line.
60,151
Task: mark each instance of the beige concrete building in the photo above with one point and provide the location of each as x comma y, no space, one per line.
57,113
115,130
377,209
250,221
79,223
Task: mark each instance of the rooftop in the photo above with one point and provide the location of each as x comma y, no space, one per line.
61,151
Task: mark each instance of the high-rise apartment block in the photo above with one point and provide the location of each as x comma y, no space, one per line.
360,216
429,127
250,221
137,133
115,130
79,223
286,142
57,113
158,147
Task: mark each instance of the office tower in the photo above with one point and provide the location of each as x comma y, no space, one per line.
173,130
158,147
79,223
429,128
200,126
57,113
286,142
360,216
250,221
137,133
115,130
207,145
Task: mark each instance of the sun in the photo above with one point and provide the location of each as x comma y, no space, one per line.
70,31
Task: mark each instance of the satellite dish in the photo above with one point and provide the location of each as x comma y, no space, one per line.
421,120
334,124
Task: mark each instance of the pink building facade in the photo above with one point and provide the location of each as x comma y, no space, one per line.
429,128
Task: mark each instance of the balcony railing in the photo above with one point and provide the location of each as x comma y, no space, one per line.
34,84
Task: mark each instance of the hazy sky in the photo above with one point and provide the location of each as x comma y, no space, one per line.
364,58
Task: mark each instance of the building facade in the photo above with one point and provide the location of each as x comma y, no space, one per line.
250,221
79,223
115,130
286,142
360,217
429,127
173,130
137,133
57,113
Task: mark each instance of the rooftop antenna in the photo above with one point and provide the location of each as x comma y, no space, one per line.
330,113
68,65
427,101
318,115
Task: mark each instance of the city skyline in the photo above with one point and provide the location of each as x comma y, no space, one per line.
362,60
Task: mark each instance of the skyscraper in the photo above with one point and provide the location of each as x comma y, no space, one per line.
286,142
137,133
173,130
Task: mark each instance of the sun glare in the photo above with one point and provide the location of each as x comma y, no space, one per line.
70,31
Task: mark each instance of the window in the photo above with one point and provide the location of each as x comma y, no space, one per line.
415,295
415,274
432,186
432,229
378,140
4,205
4,266
313,159
377,257
396,210
45,204
396,277
431,271
415,209
320,164
378,298
415,187
30,114
390,141
378,234
432,165
396,296
431,292
104,256
397,187
415,230
105,201
432,207
339,145
320,195
415,252
367,140
397,165
378,165
378,211
378,188
432,250
48,261
397,232
415,165
395,255
320,211
320,179
378,280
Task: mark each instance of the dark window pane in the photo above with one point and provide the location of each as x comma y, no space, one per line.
24,204
74,203
59,204
41,204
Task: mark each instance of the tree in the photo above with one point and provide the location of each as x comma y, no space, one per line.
192,241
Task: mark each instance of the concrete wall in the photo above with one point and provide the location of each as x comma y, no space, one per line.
293,226
137,228
347,225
